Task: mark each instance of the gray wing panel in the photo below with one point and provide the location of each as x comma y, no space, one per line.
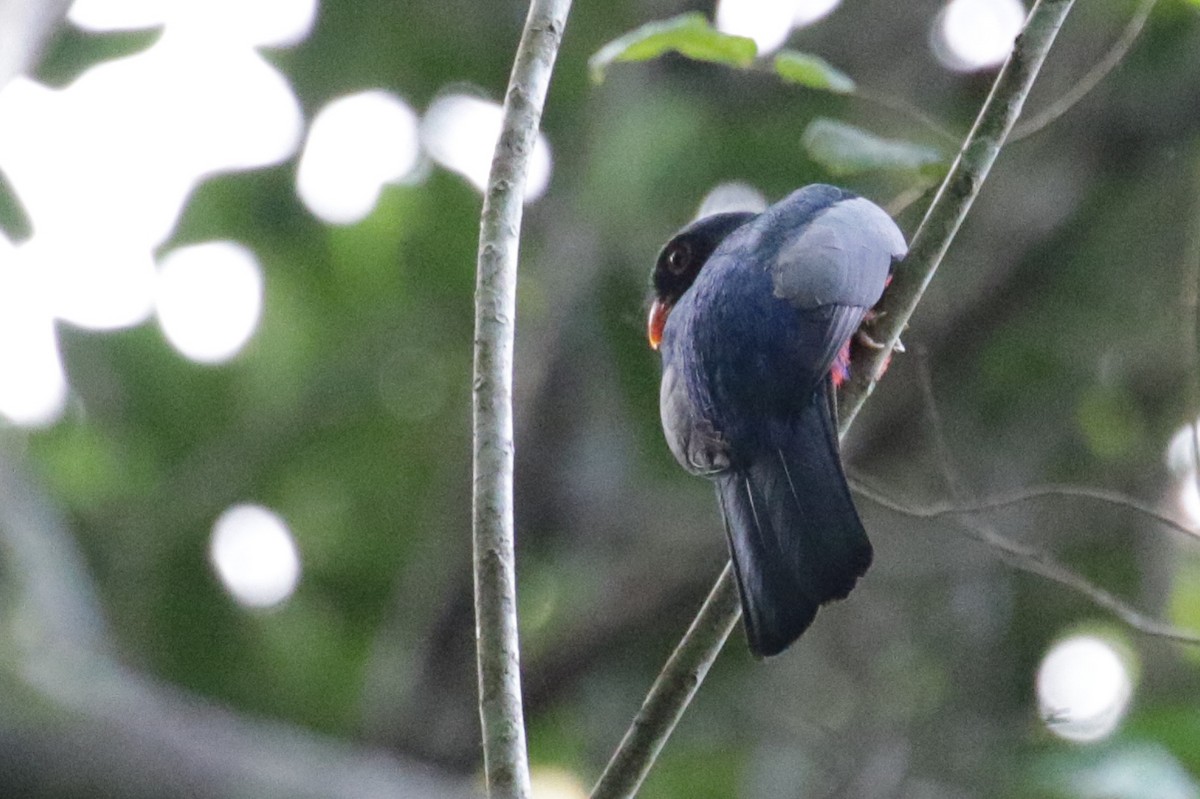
842,257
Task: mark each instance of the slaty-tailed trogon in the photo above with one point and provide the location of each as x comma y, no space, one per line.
753,314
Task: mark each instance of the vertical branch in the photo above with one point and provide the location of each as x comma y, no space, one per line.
505,760
689,663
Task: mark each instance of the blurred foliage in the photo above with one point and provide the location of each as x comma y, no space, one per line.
688,34
1058,335
811,71
845,150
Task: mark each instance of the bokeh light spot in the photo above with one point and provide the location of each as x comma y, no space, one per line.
970,35
33,386
1189,499
1181,450
255,556
355,145
114,155
116,15
257,23
810,11
1181,460
209,299
1083,688
731,196
767,22
90,281
460,132
550,782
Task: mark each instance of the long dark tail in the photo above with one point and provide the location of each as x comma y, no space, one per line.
794,535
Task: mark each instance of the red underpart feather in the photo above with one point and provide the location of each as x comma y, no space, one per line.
840,370
841,366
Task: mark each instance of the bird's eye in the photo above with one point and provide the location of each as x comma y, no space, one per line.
678,257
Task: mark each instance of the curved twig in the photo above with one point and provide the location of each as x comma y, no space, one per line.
909,112
1091,79
1036,561
505,758
1023,495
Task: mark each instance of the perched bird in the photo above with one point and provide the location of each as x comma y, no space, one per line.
753,315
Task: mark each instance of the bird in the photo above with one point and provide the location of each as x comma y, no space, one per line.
752,315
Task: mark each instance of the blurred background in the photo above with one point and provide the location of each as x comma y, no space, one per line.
236,276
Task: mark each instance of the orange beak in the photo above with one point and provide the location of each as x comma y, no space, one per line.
658,320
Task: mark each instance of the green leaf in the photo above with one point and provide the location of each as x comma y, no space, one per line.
846,150
688,34
811,71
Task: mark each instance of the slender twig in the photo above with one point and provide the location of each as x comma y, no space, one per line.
914,193
955,197
937,431
1020,556
1050,491
765,66
1090,80
671,692
945,214
909,112
505,758
1035,561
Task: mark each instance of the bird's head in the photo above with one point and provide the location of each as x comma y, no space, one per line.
681,260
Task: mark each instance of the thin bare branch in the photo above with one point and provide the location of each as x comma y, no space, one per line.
1023,557
909,112
1089,81
1035,561
945,457
901,202
1049,491
1021,496
505,758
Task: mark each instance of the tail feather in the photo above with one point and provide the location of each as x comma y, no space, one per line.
794,535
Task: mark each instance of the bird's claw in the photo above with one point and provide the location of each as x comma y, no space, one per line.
867,341
864,338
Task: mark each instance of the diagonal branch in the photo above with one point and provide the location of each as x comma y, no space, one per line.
962,183
505,759
672,691
955,197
